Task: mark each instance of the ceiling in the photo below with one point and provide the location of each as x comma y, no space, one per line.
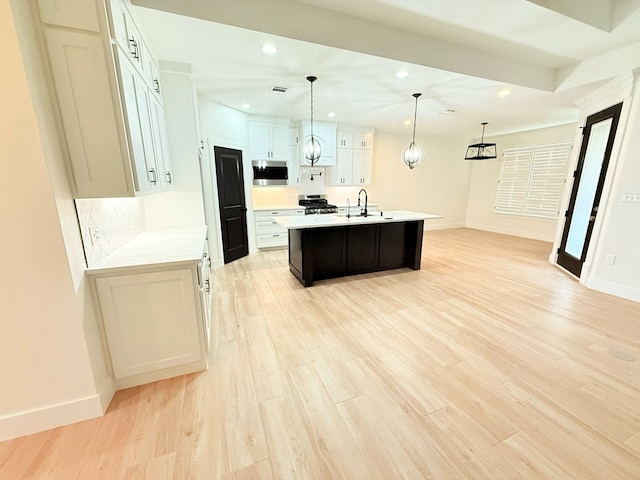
460,54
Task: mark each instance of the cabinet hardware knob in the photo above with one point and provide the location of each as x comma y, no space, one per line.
154,179
156,85
169,178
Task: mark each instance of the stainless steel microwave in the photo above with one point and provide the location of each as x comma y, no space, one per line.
269,172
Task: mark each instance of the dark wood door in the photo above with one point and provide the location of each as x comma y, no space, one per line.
233,210
598,136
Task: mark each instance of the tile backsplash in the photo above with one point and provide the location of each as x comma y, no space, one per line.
108,223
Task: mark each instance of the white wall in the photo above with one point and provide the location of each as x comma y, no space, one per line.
483,186
45,365
438,185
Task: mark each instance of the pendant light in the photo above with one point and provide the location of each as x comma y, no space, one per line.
413,153
481,151
312,148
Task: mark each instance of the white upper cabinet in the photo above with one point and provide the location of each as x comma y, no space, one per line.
80,14
355,158
363,140
111,129
345,139
268,140
326,131
94,133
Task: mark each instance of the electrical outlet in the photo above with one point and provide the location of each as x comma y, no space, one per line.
610,259
94,235
631,197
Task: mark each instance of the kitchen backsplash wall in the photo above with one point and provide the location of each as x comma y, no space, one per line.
108,223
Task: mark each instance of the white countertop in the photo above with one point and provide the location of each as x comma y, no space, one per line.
153,247
329,220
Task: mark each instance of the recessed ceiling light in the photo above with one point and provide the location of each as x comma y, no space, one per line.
269,49
403,74
246,106
504,92
407,122
331,114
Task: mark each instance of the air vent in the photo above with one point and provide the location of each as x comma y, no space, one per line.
277,89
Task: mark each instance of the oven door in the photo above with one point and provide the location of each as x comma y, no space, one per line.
269,173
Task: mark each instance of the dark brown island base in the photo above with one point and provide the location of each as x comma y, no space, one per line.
328,252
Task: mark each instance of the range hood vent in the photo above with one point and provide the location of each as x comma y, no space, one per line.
277,89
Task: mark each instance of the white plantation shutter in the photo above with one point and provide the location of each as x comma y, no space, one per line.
514,180
532,180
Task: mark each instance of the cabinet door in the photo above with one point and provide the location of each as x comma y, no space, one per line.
362,166
126,33
345,140
342,172
293,166
161,144
93,129
79,14
151,320
137,107
259,140
363,140
279,140
362,248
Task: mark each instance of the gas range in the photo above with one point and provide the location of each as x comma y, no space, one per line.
315,204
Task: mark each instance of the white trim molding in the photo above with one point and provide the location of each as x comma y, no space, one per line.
52,416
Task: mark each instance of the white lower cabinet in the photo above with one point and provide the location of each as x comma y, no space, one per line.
155,322
270,233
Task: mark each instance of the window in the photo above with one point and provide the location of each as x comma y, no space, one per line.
532,180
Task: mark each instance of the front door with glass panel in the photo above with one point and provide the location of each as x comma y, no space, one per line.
597,143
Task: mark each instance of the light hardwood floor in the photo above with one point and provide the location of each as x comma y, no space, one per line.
488,363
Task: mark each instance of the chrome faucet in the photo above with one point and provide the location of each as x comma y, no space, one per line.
363,212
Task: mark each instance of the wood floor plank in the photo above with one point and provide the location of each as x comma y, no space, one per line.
382,451
486,363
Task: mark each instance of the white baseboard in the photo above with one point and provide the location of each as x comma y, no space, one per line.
508,231
52,416
442,226
616,289
106,394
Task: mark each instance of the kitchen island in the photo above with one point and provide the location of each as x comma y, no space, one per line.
328,246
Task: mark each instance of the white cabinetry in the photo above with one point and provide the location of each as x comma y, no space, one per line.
110,154
293,162
270,233
268,140
326,131
354,160
156,319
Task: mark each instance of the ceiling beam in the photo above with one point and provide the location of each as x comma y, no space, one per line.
598,14
308,23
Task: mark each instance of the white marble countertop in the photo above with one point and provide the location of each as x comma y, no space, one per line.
329,220
153,247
